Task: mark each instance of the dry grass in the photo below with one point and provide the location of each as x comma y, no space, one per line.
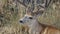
10,18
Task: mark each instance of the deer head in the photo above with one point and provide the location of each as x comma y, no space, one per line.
32,15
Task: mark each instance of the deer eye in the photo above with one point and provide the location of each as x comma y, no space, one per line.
30,18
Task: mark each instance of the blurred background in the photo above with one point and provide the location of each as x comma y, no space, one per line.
11,11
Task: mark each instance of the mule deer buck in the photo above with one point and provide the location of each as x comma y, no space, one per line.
31,20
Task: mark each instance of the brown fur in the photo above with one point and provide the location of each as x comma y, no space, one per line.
50,30
47,29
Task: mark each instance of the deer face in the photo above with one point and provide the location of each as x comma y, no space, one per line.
27,19
31,16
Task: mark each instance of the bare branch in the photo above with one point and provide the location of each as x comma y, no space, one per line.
47,3
22,3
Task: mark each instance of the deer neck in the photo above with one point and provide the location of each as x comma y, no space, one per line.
35,26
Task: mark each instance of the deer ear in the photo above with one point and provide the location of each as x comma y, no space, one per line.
38,13
38,10
29,10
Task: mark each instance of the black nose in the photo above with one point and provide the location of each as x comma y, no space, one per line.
21,21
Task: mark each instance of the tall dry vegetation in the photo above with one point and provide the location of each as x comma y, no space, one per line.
11,11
